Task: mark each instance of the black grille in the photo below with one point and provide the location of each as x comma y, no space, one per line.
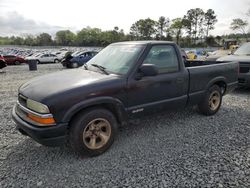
242,80
22,100
244,69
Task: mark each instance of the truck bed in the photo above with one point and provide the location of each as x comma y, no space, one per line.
201,73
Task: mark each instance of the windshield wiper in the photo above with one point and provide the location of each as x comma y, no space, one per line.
101,68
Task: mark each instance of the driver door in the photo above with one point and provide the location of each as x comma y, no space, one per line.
166,90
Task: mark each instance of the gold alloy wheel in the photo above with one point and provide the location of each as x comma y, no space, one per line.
214,100
97,133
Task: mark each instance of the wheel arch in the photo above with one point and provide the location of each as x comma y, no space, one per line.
221,82
109,103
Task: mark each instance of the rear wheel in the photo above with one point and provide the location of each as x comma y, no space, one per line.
56,61
37,61
212,101
92,132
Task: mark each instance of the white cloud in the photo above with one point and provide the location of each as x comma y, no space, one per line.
13,23
109,13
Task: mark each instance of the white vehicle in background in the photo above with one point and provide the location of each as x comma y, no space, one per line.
61,54
44,58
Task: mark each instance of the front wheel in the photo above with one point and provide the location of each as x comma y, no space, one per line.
17,63
74,65
92,132
212,101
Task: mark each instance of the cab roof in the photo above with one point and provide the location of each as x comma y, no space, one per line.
144,42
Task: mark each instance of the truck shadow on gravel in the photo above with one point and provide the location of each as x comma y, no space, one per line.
242,90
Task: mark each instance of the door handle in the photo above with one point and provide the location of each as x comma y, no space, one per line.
179,80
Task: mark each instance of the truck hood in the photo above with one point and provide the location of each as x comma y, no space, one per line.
55,83
242,58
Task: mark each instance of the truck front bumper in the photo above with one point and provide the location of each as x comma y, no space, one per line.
48,136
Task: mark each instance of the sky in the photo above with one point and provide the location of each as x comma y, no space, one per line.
22,17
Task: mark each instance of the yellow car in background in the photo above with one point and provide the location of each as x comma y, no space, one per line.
191,55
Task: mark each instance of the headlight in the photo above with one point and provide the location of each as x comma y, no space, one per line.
37,107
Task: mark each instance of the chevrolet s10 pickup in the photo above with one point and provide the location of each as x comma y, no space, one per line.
84,106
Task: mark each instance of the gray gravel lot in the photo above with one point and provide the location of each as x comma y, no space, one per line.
171,149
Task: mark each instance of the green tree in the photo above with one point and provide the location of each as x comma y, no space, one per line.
218,39
65,38
193,21
29,40
89,37
209,20
239,25
44,39
210,41
17,40
135,32
162,26
143,29
176,28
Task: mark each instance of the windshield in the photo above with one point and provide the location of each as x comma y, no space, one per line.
243,50
117,59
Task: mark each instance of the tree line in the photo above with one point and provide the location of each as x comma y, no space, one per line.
190,30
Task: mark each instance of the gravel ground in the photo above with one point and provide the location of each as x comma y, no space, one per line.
171,149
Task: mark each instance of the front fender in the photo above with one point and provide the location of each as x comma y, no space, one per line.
116,103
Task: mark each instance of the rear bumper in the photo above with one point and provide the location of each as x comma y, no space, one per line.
49,136
244,79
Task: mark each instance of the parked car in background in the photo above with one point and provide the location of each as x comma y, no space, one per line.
44,58
191,55
2,62
242,55
13,59
79,59
213,56
200,54
68,56
61,54
184,54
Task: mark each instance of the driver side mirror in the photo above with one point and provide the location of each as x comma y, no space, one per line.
147,70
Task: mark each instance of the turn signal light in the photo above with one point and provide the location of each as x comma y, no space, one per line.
45,121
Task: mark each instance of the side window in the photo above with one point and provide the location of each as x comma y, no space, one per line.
164,57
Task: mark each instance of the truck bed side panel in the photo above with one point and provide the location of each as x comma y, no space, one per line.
202,77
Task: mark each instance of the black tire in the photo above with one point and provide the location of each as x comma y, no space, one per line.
68,66
212,101
37,61
17,63
56,61
81,134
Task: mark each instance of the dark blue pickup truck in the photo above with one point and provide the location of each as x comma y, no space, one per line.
85,106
